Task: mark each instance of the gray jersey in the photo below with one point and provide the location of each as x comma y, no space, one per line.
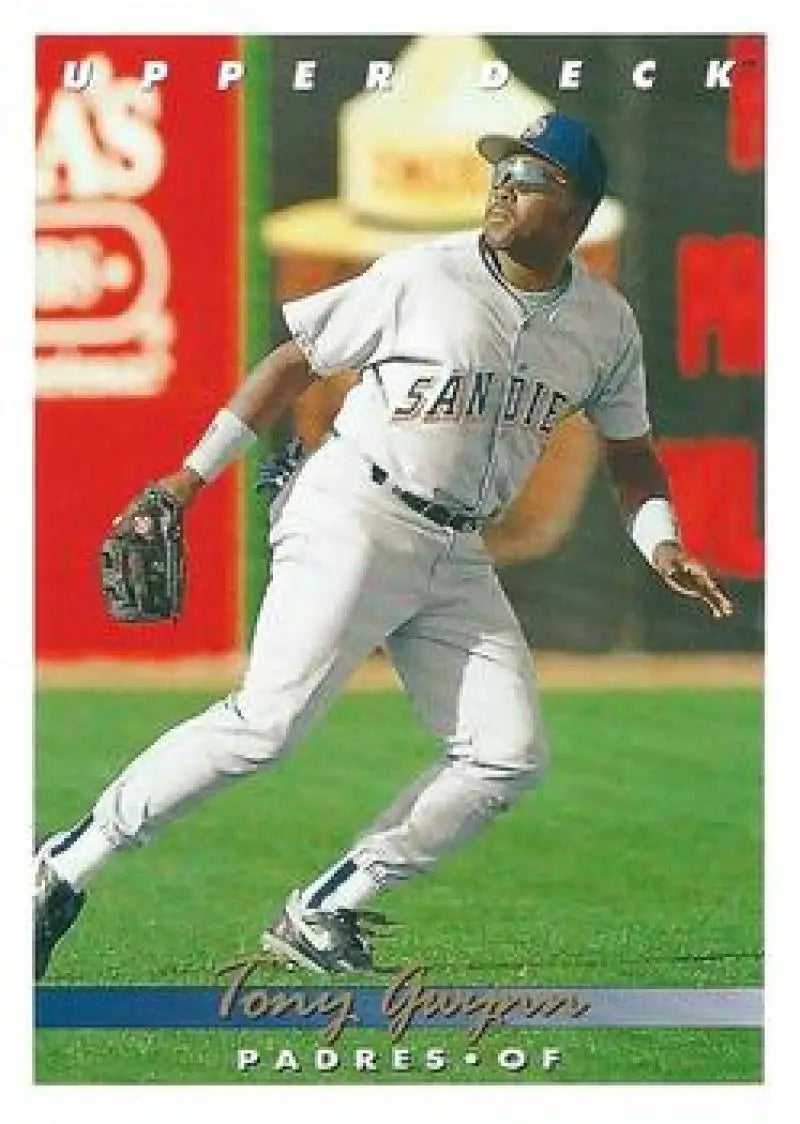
462,382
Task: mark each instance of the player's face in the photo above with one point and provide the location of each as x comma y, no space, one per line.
532,211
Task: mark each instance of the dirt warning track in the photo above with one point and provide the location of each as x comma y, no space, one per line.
557,671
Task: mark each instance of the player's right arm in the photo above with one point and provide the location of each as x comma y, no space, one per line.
336,328
270,389
273,385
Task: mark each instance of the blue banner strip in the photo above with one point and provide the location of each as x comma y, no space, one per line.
154,1008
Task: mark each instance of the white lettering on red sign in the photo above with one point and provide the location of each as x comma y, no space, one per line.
102,264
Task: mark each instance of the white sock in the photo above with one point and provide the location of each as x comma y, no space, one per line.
342,886
87,850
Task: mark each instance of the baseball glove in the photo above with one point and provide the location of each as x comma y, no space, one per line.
142,561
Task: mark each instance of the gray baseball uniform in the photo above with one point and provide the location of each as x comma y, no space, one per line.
463,380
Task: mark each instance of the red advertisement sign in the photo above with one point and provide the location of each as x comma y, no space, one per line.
137,323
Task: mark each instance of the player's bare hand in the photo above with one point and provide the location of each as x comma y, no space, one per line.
688,576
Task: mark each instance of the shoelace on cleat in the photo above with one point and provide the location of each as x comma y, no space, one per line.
360,923
353,924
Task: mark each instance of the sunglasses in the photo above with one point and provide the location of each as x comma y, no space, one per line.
526,175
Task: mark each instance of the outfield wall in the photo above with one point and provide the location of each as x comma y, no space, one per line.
171,222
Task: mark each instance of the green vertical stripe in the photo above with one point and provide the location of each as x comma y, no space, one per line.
257,159
257,188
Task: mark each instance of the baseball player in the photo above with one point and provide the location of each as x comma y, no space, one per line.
470,349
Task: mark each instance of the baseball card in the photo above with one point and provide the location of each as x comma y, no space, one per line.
399,597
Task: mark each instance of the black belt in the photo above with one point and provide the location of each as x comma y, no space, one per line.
436,512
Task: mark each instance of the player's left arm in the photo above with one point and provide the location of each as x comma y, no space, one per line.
643,491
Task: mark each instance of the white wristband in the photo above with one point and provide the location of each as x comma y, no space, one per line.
652,524
222,442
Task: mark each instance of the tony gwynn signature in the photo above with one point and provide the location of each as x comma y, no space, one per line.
405,998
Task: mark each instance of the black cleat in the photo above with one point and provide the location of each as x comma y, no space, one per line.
320,941
56,908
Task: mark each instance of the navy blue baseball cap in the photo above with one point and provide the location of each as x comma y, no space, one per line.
565,142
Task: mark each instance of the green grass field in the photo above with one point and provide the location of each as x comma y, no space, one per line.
638,862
